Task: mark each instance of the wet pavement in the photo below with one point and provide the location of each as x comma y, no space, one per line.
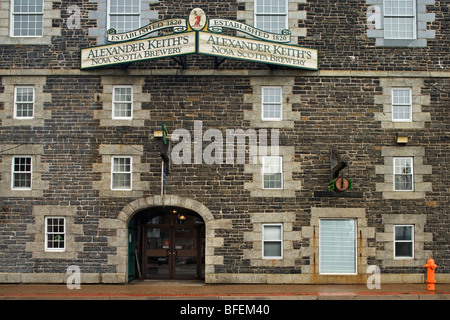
195,290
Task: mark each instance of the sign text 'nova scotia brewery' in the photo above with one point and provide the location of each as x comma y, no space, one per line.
199,35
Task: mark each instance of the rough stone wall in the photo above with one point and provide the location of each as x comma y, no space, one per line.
336,107
338,29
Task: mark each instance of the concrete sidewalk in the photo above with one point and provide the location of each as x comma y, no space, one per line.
195,290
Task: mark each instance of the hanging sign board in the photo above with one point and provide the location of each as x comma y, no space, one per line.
178,25
217,25
258,51
199,35
133,51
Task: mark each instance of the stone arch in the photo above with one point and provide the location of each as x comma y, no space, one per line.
169,200
120,224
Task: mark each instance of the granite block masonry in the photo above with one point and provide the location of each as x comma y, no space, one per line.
83,183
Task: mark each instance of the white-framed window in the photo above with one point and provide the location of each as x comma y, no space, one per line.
400,19
124,15
27,17
337,246
21,173
121,170
55,234
401,104
403,242
272,241
272,172
122,102
272,105
403,174
271,15
23,102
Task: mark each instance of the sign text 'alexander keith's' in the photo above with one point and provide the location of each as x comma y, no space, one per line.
199,35
146,49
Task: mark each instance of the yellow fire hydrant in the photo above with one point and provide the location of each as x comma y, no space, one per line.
430,274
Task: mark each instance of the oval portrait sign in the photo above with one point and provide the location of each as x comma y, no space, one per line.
342,184
197,19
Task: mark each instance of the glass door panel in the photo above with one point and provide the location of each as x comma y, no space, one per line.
186,267
186,252
158,252
157,267
173,249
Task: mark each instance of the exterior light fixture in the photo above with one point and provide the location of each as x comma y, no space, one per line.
402,138
157,134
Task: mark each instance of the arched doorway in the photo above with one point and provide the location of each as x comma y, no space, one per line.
128,261
167,242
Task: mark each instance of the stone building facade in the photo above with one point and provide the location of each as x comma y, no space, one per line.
81,181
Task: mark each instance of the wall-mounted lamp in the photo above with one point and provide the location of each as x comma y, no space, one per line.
157,133
402,138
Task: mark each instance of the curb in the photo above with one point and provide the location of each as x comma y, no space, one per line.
217,296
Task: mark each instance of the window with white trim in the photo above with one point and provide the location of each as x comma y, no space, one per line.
21,173
401,104
27,18
272,241
404,242
272,171
272,106
271,15
121,169
403,174
337,246
124,15
23,102
399,19
123,102
55,234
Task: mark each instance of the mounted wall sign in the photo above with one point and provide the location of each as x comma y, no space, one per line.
199,35
178,25
217,25
340,184
197,19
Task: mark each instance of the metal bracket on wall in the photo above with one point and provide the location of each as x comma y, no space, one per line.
218,62
182,61
125,66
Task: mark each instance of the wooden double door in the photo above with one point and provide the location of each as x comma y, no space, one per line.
173,249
